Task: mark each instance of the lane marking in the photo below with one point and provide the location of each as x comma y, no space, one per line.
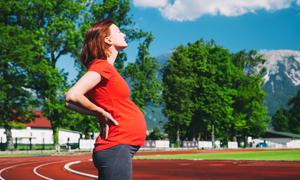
9,163
67,167
45,164
9,167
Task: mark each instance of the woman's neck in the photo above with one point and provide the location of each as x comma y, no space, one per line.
114,53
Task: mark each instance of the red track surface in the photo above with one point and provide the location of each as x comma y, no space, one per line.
52,167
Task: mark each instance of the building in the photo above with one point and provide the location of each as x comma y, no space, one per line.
39,131
276,139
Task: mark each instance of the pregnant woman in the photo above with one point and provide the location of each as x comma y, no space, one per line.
102,92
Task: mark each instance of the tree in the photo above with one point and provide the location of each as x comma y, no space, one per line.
17,49
211,93
250,113
143,76
58,28
280,120
178,85
53,25
155,134
294,120
288,120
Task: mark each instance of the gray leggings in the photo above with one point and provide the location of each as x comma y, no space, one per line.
115,163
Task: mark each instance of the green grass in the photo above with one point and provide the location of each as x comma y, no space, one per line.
285,155
35,147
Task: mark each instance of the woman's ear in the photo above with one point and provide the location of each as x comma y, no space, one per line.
108,40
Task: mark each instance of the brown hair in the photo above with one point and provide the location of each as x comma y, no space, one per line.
94,46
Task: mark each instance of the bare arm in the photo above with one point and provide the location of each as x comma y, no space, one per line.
75,96
76,100
80,109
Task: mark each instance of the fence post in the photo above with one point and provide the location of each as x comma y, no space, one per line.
68,143
16,143
1,145
30,145
43,147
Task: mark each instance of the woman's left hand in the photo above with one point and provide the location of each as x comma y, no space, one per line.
104,128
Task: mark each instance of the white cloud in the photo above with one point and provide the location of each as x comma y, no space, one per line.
150,3
188,10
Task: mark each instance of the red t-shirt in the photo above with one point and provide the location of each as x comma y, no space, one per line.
113,95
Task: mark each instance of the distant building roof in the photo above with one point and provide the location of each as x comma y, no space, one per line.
40,121
278,134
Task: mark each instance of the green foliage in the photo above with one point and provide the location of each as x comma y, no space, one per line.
17,49
16,97
155,134
280,120
210,92
178,84
288,120
34,35
294,112
250,114
143,76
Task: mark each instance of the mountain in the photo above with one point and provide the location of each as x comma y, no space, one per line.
282,79
153,113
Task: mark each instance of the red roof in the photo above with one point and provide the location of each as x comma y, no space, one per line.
39,122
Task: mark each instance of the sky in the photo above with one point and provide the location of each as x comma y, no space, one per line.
233,24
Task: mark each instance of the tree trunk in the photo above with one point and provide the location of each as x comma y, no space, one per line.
199,137
213,135
233,133
178,136
9,139
245,141
86,133
55,139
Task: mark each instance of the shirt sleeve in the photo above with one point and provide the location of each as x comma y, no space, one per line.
102,68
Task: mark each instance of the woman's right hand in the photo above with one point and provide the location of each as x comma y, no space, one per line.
105,120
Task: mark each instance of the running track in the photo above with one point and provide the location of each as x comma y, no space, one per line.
54,167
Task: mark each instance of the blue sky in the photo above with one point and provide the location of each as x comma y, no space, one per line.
236,25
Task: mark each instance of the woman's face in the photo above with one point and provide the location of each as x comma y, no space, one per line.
116,38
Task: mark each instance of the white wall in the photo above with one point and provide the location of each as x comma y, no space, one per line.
205,144
293,144
232,145
157,144
40,135
279,142
86,144
190,144
2,135
63,136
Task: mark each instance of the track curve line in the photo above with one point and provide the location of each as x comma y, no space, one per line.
9,167
67,167
42,165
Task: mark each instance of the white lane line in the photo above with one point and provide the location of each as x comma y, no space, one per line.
10,163
67,167
9,167
41,165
